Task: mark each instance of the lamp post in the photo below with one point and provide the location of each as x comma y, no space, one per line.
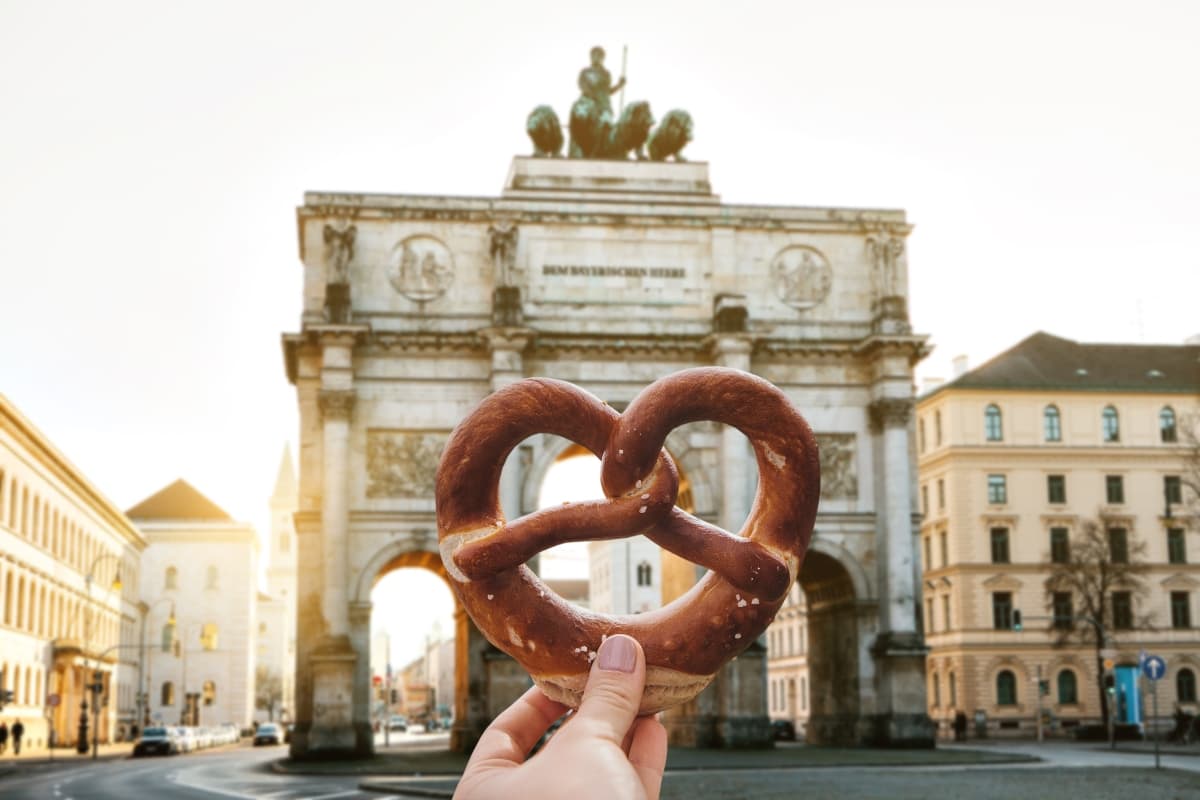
93,686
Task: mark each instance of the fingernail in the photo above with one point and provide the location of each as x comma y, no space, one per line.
618,653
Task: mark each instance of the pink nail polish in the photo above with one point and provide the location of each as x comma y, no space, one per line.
618,653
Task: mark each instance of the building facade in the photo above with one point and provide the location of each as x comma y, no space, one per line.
787,662
275,651
625,577
1018,460
200,568
69,615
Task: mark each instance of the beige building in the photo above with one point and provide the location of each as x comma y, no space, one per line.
275,651
1015,458
201,566
69,563
787,662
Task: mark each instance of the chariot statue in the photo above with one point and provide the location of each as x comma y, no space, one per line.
596,133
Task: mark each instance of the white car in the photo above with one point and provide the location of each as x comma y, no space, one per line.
187,740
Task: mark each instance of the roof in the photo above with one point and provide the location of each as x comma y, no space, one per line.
180,500
1045,361
285,481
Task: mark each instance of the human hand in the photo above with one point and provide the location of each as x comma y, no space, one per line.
604,750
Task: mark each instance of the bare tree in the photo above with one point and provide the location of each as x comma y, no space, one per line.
268,690
1103,557
1189,436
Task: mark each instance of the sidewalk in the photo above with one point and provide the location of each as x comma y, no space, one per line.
10,763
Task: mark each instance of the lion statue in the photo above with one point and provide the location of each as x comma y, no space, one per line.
671,136
630,134
545,131
593,134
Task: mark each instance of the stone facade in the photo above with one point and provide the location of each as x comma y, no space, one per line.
787,663
624,577
63,544
201,565
1017,453
610,275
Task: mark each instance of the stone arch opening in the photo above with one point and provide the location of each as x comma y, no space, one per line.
427,689
832,651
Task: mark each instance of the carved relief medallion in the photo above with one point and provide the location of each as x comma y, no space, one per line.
403,463
421,268
839,477
802,276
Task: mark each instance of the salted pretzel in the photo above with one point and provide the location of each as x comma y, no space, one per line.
685,642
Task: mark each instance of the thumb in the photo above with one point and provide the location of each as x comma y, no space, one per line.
614,690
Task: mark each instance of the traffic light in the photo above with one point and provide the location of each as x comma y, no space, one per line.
1016,619
395,697
1043,687
1110,684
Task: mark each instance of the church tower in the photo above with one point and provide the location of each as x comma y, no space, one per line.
277,607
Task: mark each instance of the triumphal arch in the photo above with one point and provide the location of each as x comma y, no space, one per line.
608,273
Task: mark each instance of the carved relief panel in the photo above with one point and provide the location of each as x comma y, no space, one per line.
403,463
839,472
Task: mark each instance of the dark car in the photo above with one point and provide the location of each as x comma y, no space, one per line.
784,730
156,742
268,733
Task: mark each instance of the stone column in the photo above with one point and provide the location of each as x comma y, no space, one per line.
506,346
360,640
336,408
737,460
901,718
470,683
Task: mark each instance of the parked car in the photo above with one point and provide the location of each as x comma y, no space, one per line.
784,730
398,723
268,733
156,742
187,741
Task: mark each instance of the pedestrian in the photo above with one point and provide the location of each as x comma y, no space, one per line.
960,726
3,737
18,730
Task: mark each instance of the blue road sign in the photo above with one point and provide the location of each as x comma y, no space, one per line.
1154,667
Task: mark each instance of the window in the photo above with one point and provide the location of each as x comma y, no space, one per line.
921,435
1166,425
937,427
928,560
944,547
993,425
1064,611
209,693
1172,489
941,486
953,691
1181,612
999,545
930,624
171,581
946,611
1122,610
1185,686
1176,546
1118,545
1052,424
1110,425
937,691
1002,610
1006,688
168,694
924,501
1056,488
1060,548
210,578
208,636
1114,489
644,574
997,490
1068,688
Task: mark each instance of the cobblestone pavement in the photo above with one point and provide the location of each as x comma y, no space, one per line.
940,783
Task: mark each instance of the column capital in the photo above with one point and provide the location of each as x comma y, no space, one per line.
890,412
336,403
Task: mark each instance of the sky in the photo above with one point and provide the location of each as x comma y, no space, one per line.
152,156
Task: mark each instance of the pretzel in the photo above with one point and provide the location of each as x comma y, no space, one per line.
685,642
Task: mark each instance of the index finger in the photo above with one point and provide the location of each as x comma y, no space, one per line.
513,734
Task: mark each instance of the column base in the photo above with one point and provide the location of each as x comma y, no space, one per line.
900,689
332,734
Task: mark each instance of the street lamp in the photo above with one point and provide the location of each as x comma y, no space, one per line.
94,687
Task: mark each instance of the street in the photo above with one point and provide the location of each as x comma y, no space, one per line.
244,772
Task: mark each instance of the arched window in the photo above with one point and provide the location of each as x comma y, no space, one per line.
209,693
937,691
1166,425
1068,688
8,599
644,574
171,581
1006,688
1110,424
1052,424
168,694
210,577
1185,686
993,425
